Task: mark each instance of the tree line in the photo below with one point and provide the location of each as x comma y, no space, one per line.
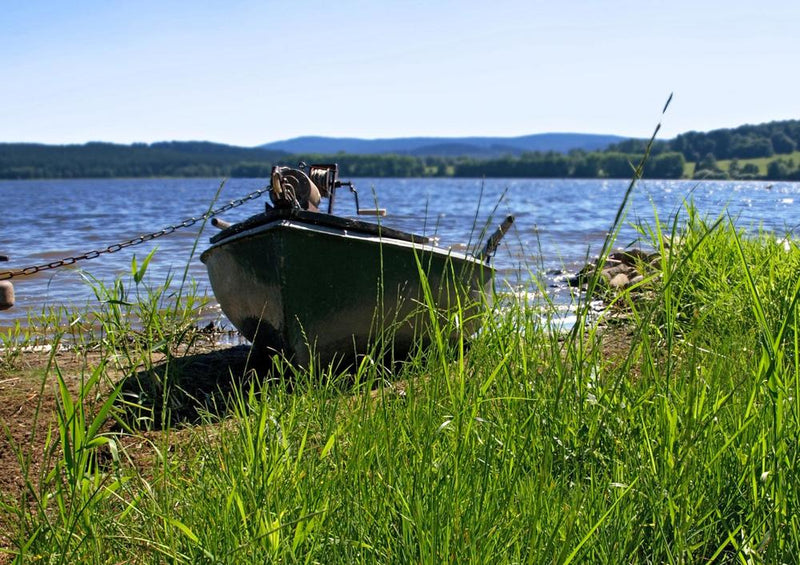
775,141
196,159
106,160
575,164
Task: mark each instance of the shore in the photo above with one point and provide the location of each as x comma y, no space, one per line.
663,429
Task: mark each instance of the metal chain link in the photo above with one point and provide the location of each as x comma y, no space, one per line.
5,275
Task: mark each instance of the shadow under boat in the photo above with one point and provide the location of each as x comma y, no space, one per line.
315,288
180,390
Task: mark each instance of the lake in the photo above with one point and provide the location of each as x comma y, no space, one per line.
559,222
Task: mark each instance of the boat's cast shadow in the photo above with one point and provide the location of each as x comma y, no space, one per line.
188,390
199,388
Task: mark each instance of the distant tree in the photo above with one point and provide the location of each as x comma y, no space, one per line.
708,168
251,170
782,143
749,169
750,147
708,163
693,145
780,169
638,146
722,143
792,129
738,171
666,166
743,142
617,165
586,166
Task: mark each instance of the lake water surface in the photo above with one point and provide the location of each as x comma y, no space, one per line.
559,222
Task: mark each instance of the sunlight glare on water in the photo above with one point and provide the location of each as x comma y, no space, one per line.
559,223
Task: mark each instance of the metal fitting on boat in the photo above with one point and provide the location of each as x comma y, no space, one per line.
6,295
220,223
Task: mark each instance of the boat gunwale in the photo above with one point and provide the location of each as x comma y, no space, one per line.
317,219
301,225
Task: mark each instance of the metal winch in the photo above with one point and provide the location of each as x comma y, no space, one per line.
291,188
303,188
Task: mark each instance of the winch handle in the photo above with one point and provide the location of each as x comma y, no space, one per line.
359,210
371,212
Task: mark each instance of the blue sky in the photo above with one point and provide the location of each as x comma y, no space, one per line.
246,72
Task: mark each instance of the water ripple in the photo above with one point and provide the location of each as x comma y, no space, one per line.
559,223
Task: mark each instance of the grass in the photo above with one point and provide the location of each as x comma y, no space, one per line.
676,443
761,162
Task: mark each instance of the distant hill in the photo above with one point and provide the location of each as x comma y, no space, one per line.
98,159
446,146
775,144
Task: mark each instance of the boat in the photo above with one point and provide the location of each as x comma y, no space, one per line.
318,289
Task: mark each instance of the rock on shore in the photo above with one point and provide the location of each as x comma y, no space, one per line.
621,270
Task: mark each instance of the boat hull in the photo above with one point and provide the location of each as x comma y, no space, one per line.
328,295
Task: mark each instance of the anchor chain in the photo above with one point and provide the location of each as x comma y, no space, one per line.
188,222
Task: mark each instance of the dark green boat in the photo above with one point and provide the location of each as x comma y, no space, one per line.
317,288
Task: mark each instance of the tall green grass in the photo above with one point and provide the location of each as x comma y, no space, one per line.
674,442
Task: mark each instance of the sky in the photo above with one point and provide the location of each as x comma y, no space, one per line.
247,72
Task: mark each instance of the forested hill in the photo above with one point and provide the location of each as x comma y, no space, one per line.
765,151
773,145
98,160
744,142
481,147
